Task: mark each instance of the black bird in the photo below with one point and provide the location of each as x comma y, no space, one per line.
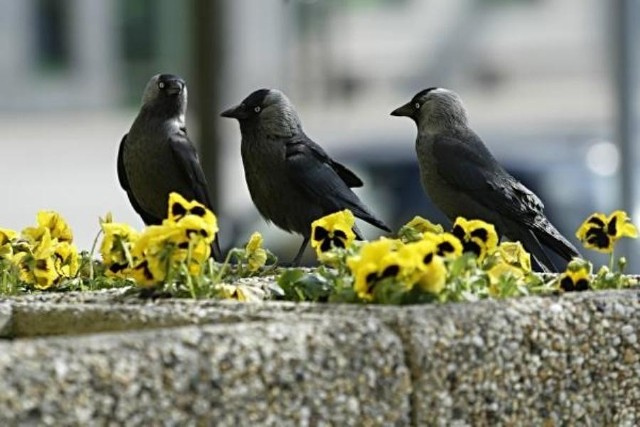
291,179
464,179
156,157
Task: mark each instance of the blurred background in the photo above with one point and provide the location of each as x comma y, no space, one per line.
549,85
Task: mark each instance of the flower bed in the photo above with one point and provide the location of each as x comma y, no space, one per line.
423,263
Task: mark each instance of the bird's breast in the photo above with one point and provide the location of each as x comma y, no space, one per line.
152,173
448,199
266,176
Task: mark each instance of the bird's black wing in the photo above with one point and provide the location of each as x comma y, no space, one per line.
122,173
313,172
186,157
349,178
147,218
469,167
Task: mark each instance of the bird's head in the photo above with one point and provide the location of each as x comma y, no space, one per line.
434,109
269,110
166,90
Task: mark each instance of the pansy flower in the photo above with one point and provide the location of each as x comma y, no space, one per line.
141,274
152,253
163,247
179,208
501,270
193,242
241,292
332,231
116,246
36,265
255,254
476,236
577,276
65,259
447,245
600,232
413,230
430,272
375,262
423,225
7,236
54,223
514,254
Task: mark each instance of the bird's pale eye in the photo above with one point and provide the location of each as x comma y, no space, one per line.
417,105
257,109
161,85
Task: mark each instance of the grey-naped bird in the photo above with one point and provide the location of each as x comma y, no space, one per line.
464,179
156,157
291,179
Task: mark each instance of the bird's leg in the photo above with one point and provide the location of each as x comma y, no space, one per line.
296,260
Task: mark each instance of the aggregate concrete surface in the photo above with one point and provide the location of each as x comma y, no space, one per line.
80,358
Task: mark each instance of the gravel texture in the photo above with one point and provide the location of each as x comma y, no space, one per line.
562,360
296,373
572,360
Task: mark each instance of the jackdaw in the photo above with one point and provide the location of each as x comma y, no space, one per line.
156,157
464,179
291,179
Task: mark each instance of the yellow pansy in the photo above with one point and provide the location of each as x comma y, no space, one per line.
332,231
376,261
66,261
162,247
577,276
36,265
242,292
141,274
116,246
476,236
52,221
600,232
500,271
514,254
429,270
255,253
423,225
6,238
179,208
7,235
448,245
152,253
35,234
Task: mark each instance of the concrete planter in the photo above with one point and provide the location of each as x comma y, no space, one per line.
99,357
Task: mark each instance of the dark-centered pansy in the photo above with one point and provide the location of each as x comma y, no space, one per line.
332,231
476,236
601,233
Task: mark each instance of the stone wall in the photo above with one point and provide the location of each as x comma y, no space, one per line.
107,356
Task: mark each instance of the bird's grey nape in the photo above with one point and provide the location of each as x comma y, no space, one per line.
442,109
279,118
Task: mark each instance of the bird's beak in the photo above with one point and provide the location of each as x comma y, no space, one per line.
405,110
174,87
238,112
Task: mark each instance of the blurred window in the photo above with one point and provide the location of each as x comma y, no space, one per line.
53,51
138,35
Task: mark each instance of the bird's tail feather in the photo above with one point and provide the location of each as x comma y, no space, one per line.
364,214
376,222
348,199
540,257
550,237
